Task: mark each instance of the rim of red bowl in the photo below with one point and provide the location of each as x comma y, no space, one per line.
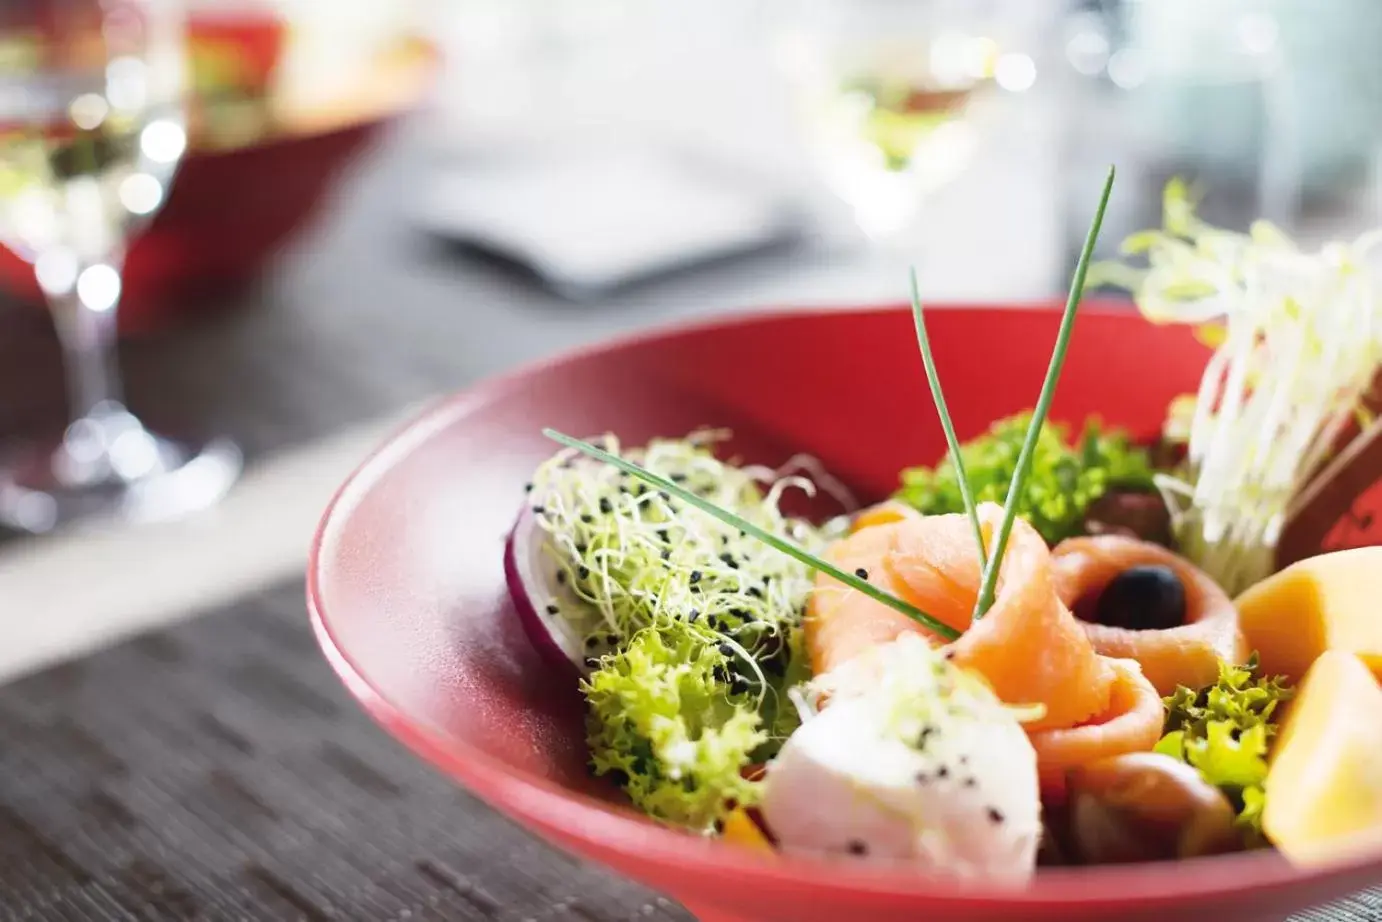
535,800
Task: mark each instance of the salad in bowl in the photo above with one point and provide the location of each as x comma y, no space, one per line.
1062,668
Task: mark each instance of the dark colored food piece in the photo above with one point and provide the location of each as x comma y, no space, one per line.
1145,806
1142,598
1054,849
1334,511
1131,514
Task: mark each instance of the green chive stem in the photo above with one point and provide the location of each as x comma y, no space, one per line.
933,379
1043,407
786,547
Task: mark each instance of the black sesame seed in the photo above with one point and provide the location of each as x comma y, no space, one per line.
754,592
721,674
943,772
592,642
581,548
923,778
561,577
587,518
692,615
663,536
666,497
695,577
527,488
677,478
667,554
729,561
605,505
583,573
553,610
539,510
861,573
995,815
971,782
857,847
726,649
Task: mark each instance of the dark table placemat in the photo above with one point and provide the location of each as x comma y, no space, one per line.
218,771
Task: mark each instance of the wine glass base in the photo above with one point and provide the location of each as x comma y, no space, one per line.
38,491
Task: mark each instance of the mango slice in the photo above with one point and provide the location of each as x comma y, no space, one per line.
742,830
1329,602
1324,784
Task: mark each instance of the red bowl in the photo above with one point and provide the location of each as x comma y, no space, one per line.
406,586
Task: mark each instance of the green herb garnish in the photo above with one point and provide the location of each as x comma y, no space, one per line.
1067,476
956,455
786,547
1043,407
1225,731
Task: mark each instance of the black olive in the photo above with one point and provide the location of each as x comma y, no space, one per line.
1145,598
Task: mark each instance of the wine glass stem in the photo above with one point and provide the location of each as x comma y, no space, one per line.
87,336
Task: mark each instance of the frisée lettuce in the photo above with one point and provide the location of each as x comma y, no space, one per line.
1225,731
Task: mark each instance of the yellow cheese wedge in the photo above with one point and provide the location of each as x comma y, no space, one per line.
1329,602
1324,786
742,830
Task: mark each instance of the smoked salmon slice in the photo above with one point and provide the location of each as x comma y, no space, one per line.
1188,655
1132,723
840,623
1029,646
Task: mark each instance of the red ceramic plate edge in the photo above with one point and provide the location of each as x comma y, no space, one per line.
570,818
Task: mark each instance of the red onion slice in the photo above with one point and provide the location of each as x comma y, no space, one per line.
531,577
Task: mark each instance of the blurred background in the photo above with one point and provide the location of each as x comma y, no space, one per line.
375,204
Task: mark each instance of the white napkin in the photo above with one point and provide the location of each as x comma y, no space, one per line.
594,217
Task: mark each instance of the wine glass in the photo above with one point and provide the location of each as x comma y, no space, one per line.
92,130
892,94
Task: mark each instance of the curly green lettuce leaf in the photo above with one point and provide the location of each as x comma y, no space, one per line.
1240,699
1065,478
1224,731
665,719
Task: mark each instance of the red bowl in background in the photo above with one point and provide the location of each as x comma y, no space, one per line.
406,586
231,209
